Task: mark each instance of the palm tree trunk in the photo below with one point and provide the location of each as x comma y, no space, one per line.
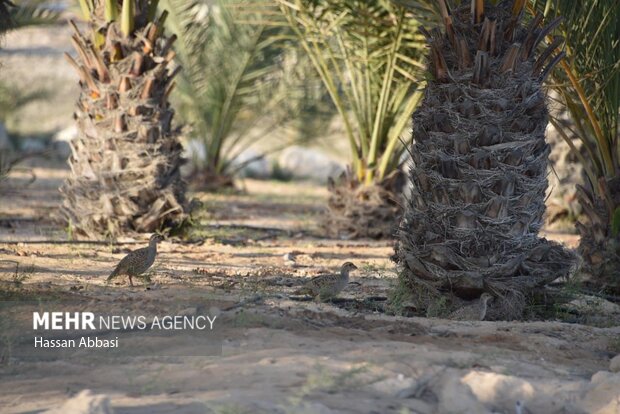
126,159
480,165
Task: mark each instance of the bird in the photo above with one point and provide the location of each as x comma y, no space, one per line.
328,286
138,261
474,312
289,260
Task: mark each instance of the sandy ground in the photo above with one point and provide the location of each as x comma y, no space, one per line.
278,355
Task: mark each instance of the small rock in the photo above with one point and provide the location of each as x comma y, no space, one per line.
506,388
306,163
250,163
394,386
614,364
313,408
214,311
32,145
85,403
418,406
588,303
603,394
188,312
455,397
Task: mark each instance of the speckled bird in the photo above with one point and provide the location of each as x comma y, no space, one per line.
474,312
328,286
138,261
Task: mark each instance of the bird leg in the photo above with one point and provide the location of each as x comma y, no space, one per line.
130,281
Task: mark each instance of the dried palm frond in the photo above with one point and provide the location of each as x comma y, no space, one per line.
588,84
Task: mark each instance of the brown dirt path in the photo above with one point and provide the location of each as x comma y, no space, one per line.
281,355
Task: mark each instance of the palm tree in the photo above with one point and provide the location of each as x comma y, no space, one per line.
33,13
239,83
14,17
5,15
369,57
125,167
588,84
480,163
25,13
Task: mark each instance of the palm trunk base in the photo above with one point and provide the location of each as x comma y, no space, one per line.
136,189
601,274
355,210
598,247
210,181
479,171
527,266
91,217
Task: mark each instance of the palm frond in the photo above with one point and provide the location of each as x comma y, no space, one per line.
369,56
33,13
236,75
588,82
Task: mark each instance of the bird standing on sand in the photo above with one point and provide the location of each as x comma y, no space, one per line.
475,312
328,286
138,261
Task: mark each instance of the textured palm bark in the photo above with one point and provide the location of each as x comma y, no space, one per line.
126,159
480,164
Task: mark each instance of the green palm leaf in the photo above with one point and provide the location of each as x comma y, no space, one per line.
369,56
33,13
235,76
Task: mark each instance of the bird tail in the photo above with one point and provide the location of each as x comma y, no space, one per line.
305,290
